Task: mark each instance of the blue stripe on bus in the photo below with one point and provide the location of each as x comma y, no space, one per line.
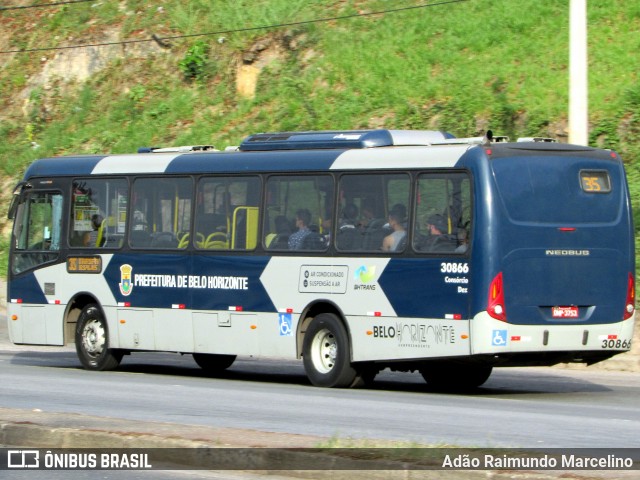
29,290
219,162
50,167
403,282
232,162
239,162
199,282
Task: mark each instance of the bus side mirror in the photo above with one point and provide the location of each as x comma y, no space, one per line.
17,199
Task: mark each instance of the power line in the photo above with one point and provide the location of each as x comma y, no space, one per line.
157,38
41,5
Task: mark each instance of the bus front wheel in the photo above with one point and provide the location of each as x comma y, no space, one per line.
92,341
325,353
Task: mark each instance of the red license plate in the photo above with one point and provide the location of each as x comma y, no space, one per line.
564,312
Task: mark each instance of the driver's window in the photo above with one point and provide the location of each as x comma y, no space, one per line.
37,230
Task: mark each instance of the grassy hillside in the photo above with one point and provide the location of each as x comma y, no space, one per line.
463,67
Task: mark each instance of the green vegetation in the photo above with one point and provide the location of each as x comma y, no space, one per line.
194,63
461,67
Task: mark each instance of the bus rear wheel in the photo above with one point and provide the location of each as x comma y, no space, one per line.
455,376
213,363
92,341
325,353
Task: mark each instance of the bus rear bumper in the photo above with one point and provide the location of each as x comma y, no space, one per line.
513,344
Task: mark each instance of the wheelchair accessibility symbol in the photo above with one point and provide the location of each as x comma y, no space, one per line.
499,338
285,320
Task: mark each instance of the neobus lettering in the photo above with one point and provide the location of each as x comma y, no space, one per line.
568,253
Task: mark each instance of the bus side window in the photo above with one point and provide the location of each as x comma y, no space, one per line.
299,212
161,214
98,213
366,203
442,222
227,213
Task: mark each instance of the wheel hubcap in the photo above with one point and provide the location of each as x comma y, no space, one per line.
93,338
324,351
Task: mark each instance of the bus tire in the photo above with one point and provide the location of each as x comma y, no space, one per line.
455,376
326,353
92,341
213,363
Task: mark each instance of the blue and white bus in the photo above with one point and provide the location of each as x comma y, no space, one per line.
354,251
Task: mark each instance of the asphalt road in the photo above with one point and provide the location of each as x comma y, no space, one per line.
536,407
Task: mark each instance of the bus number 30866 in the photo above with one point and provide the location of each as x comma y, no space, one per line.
611,343
452,267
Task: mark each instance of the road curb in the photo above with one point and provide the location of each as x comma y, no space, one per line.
42,436
196,454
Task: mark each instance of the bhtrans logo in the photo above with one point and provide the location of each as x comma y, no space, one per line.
567,253
365,275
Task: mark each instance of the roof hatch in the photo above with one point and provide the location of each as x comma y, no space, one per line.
340,139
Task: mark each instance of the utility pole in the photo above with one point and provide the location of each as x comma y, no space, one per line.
578,76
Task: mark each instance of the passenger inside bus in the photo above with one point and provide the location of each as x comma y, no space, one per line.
397,218
303,219
437,240
368,215
280,239
349,236
139,235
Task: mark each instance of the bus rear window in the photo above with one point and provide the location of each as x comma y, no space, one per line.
550,189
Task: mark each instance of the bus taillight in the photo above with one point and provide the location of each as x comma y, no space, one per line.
630,305
495,306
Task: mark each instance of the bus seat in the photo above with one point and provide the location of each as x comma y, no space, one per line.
201,241
269,239
140,238
313,241
212,222
435,243
163,240
113,241
184,241
280,242
216,241
374,235
402,244
349,238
